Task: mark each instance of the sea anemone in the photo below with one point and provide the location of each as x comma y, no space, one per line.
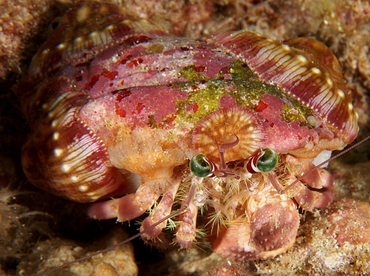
227,126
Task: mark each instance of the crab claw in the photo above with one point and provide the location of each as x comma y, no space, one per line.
266,229
312,190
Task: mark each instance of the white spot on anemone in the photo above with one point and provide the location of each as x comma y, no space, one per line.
58,152
61,46
285,47
316,70
341,93
66,167
83,188
301,58
56,136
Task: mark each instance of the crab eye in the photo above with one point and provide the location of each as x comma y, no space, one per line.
264,161
201,166
267,161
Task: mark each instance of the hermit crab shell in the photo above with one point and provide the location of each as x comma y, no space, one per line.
303,68
108,95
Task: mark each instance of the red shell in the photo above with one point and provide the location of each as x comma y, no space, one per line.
304,68
121,65
114,102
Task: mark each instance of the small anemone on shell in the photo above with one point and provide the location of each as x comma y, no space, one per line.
225,126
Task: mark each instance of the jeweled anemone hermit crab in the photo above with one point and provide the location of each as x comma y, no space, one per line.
119,108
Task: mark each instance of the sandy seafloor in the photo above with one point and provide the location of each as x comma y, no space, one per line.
39,230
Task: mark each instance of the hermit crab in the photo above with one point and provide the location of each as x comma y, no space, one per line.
130,119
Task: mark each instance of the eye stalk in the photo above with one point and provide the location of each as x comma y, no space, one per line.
201,166
264,161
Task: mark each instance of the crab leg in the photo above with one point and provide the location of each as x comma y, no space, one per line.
162,210
186,233
130,206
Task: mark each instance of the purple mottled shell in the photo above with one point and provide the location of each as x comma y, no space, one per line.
107,94
117,108
304,68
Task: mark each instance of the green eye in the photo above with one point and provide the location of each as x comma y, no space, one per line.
201,166
267,161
